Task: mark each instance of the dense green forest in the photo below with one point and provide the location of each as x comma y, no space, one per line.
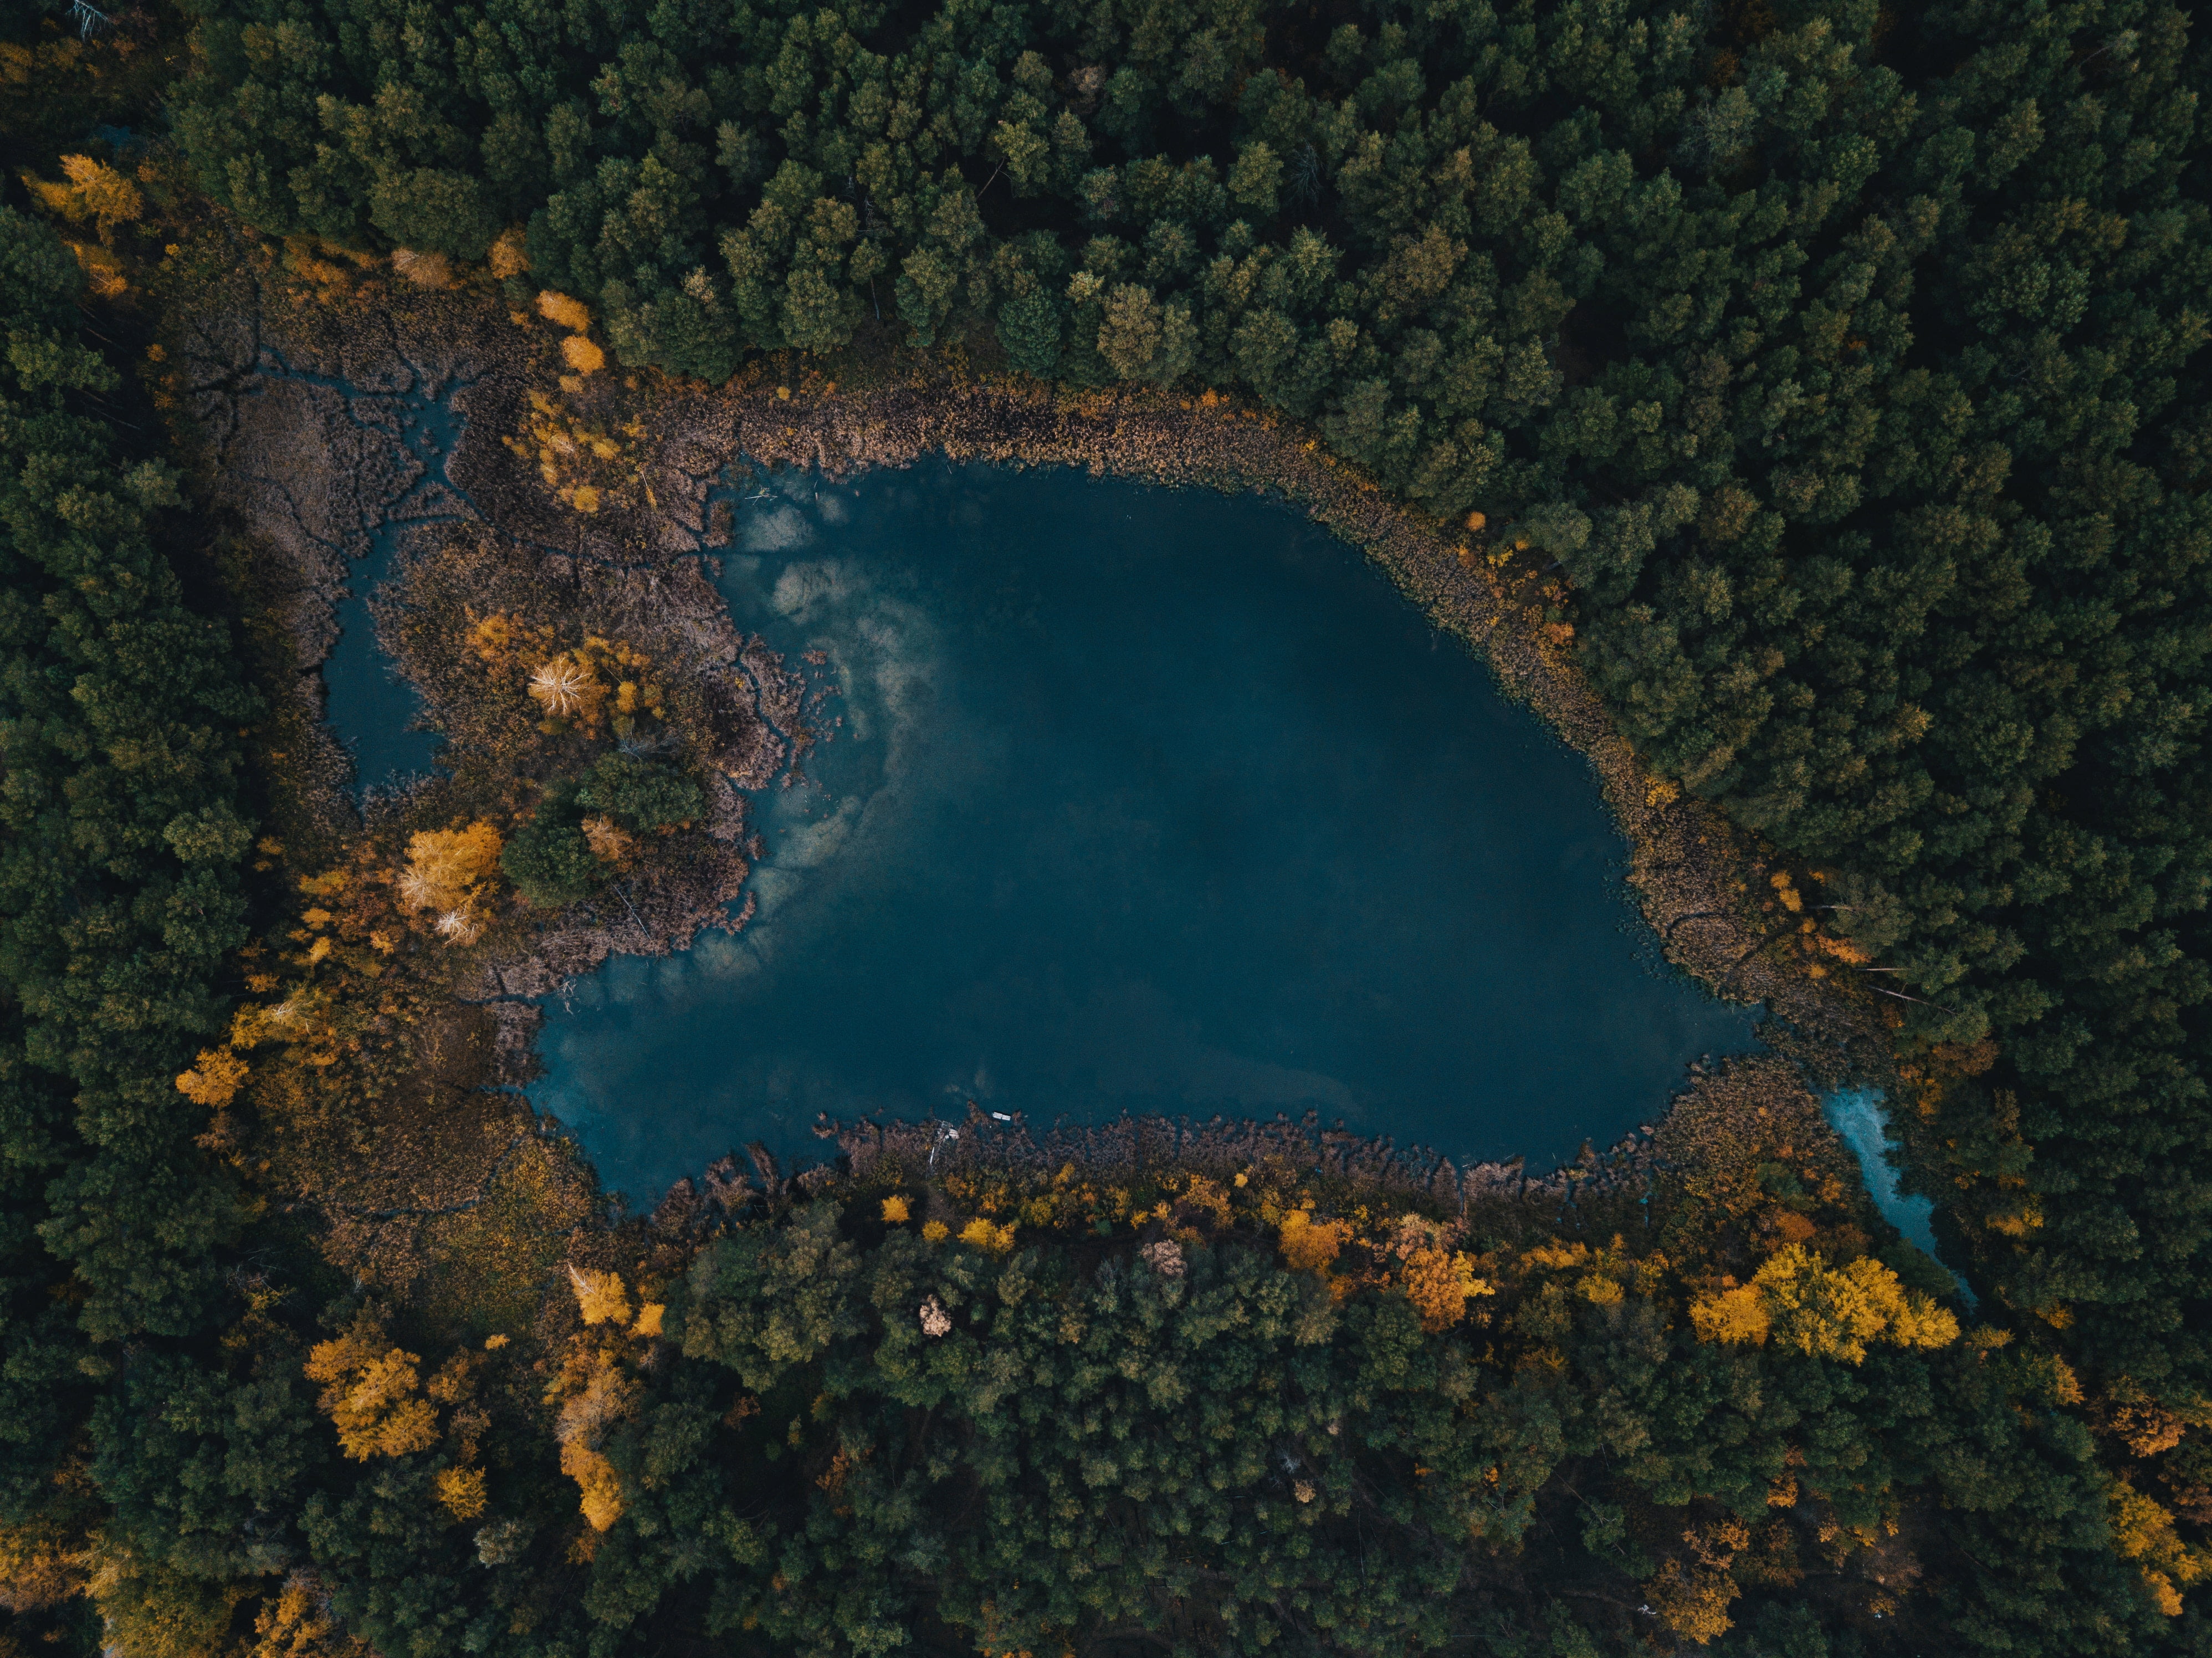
120,901
1846,359
1847,363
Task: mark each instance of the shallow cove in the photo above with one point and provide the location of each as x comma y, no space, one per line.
375,713
1142,800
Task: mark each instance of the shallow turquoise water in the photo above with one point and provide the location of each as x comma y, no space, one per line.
1858,1117
1141,800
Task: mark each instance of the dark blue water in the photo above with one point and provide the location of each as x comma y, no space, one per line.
1142,801
376,714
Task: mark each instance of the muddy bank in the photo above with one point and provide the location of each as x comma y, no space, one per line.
1221,1147
1708,1146
420,1162
328,432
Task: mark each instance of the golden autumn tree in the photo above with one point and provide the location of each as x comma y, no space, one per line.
1828,1312
584,355
297,1621
373,1393
600,1297
1310,1245
567,687
601,678
509,253
461,1491
2143,1532
445,867
92,190
609,840
594,1389
980,1234
452,873
1736,1315
215,1078
1692,1600
572,314
1437,1279
89,190
43,1562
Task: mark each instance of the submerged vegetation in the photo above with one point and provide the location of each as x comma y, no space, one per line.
1829,378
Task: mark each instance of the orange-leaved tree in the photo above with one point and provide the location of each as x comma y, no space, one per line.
1797,1300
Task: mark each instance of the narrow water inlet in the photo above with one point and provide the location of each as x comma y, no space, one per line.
374,711
1858,1116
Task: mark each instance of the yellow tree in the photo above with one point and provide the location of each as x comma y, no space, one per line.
1799,1300
1310,1245
451,872
594,1389
90,190
373,1393
1437,1279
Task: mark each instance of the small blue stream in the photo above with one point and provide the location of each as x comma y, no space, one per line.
1856,1115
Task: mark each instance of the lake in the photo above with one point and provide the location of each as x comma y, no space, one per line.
1133,800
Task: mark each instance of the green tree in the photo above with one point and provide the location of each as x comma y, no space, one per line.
644,793
548,859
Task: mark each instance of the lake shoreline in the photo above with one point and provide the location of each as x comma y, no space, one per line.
1691,872
1730,1113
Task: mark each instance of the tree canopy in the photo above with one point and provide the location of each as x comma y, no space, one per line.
1846,365
1846,360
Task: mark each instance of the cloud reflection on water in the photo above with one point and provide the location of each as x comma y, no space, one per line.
1129,799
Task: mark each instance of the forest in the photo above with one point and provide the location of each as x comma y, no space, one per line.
1842,363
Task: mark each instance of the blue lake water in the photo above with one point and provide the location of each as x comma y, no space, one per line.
1137,800
374,711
